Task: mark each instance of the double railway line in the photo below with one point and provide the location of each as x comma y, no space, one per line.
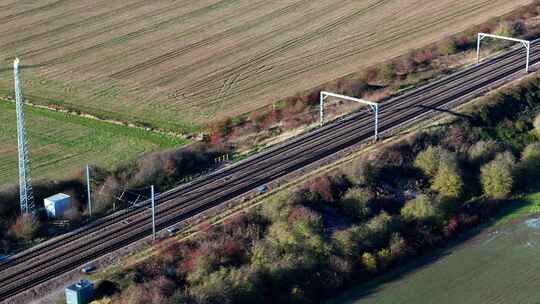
65,253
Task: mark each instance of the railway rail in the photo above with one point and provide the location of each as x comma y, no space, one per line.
65,253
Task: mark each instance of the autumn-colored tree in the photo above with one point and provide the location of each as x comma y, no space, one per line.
497,176
424,56
448,181
322,186
429,159
419,208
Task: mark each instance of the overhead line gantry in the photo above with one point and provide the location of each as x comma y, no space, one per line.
525,43
373,105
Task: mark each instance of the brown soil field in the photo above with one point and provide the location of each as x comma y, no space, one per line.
180,63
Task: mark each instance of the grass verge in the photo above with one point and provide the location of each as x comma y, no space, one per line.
61,143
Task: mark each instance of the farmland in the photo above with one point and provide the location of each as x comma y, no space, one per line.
498,266
61,144
179,64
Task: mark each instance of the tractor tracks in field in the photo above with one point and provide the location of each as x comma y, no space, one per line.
336,53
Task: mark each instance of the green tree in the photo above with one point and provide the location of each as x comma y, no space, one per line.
428,160
530,165
448,181
355,203
497,176
419,208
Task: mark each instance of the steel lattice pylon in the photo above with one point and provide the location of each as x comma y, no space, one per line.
25,183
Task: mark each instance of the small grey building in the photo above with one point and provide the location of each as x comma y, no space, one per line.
57,204
80,292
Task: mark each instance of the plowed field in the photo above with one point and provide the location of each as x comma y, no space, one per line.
180,63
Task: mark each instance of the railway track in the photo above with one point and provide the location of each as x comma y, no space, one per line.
57,256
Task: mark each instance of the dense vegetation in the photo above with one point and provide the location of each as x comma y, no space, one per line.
374,83
350,226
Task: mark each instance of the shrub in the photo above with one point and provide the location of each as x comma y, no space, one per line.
404,66
384,256
156,291
509,29
327,188
423,56
497,176
421,208
322,186
222,127
375,233
369,261
447,47
465,41
345,241
398,246
165,169
355,203
26,227
448,181
386,72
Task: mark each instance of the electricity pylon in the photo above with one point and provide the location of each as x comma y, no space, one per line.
25,182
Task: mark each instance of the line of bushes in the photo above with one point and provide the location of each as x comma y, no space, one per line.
375,83
404,200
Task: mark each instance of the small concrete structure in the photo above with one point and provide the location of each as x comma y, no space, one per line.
57,204
80,292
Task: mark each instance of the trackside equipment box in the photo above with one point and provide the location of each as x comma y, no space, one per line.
80,292
57,204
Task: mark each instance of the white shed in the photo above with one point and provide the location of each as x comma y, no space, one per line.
57,204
